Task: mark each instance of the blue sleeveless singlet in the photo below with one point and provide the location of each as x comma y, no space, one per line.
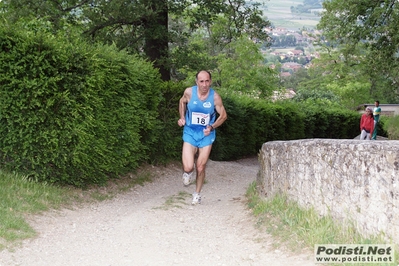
199,114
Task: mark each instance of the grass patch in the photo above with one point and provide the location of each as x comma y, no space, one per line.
299,228
279,13
22,197
120,185
175,201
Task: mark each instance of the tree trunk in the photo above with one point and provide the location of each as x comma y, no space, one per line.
156,44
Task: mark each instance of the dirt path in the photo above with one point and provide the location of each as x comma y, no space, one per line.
150,225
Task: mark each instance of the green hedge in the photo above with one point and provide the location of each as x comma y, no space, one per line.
330,122
169,134
252,122
72,112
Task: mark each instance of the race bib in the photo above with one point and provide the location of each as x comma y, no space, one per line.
200,119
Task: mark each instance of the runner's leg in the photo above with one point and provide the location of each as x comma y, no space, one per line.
203,155
188,153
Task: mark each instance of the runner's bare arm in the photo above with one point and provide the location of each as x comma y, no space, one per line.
183,105
220,110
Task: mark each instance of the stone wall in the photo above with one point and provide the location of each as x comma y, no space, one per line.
352,180
386,109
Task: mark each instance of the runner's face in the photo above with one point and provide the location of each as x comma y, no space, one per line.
203,81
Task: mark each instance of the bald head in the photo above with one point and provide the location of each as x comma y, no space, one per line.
203,72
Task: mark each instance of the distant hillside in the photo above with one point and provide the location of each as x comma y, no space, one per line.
291,14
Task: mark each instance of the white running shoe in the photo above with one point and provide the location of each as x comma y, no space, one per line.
196,199
187,178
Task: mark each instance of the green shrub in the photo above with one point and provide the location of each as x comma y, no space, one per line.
330,122
237,136
71,112
390,126
252,122
168,133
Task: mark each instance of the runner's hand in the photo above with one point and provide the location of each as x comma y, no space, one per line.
181,122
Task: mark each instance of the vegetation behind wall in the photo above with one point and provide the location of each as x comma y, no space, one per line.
252,122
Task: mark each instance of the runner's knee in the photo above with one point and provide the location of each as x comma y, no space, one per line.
200,167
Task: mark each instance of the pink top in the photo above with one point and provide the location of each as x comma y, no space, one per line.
367,122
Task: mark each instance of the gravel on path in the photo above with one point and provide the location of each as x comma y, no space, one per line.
155,224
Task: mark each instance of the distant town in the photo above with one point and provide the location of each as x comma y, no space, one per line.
293,31
292,49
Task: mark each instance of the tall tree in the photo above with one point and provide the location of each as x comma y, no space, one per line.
138,26
372,26
142,26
